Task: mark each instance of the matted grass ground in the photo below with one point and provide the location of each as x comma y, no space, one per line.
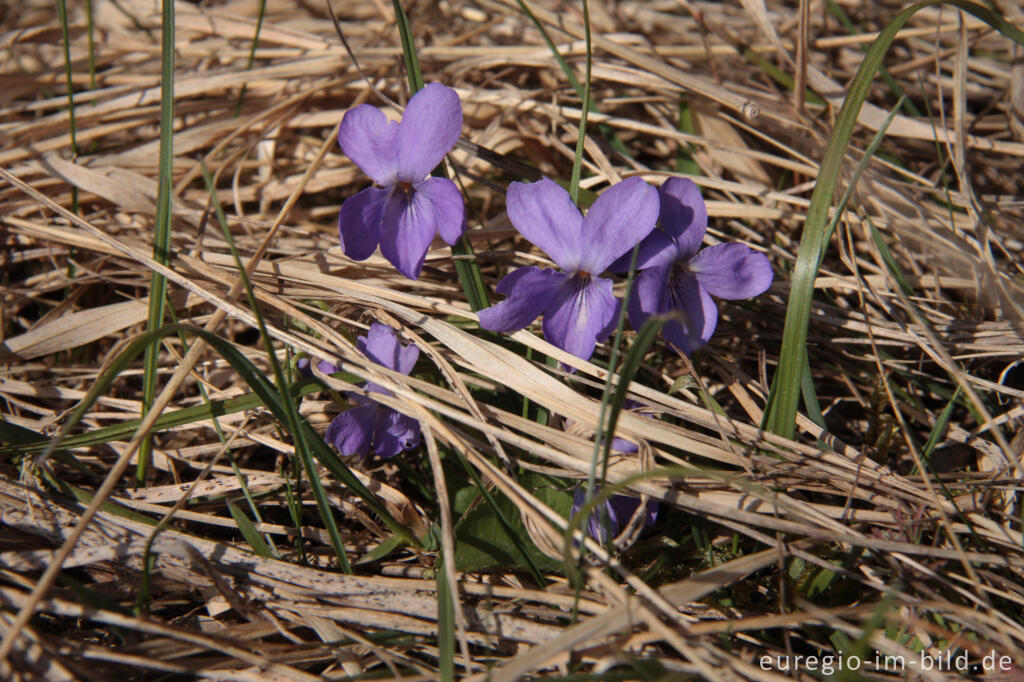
889,527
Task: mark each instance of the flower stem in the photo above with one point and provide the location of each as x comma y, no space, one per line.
466,265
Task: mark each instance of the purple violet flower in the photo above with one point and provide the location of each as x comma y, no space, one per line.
370,425
577,304
673,274
404,212
618,510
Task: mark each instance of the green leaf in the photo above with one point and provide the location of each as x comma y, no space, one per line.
483,541
249,532
381,550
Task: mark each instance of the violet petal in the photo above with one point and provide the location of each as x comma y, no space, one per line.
441,198
652,512
394,432
382,346
698,311
620,218
683,214
359,222
544,213
732,271
601,523
530,291
352,431
407,229
430,128
649,295
371,141
582,313
656,250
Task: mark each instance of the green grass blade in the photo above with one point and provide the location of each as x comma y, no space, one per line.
888,259
606,130
835,10
252,53
615,403
162,228
228,449
445,625
468,270
644,338
862,166
294,512
938,430
566,69
412,62
577,162
780,415
62,16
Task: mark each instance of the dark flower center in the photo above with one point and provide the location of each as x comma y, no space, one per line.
680,267
406,187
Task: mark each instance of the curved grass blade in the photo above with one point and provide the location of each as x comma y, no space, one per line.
833,8
606,130
780,414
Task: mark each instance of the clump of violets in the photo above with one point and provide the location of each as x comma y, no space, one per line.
675,274
406,208
370,425
578,306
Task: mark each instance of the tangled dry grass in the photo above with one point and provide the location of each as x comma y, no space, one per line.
891,530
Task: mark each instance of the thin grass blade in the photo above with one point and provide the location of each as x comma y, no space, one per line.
162,228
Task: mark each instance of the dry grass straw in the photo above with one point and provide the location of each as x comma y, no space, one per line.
944,198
